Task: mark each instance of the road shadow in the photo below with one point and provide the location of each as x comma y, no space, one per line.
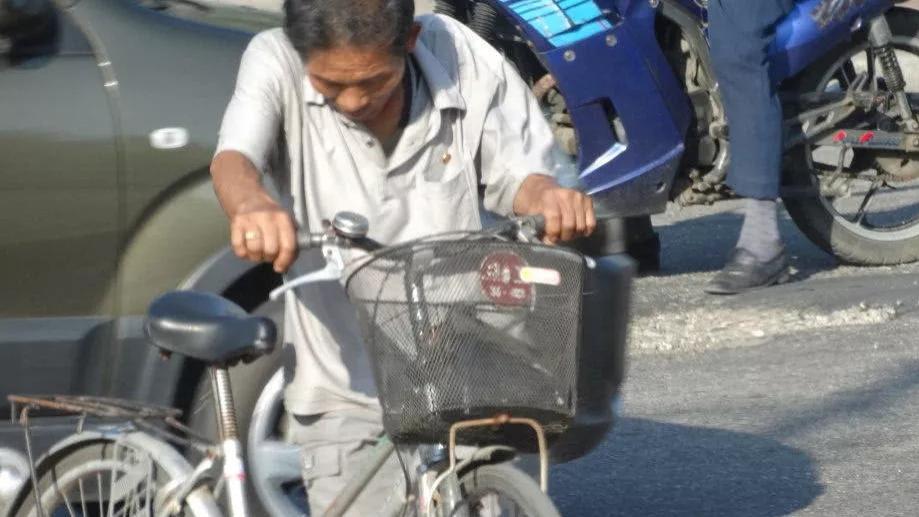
702,244
649,468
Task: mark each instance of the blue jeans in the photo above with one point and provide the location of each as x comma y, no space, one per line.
741,32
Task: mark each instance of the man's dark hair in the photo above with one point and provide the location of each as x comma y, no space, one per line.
323,24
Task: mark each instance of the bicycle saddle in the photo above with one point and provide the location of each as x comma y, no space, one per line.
208,327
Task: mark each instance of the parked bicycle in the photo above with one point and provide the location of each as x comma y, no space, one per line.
484,344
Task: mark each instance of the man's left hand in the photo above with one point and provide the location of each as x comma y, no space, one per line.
569,213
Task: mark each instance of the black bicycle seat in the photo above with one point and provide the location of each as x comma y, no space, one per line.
208,327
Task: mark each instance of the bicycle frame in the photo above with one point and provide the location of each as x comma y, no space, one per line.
234,472
234,467
614,43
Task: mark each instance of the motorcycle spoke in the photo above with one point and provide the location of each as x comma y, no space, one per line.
872,76
862,209
841,161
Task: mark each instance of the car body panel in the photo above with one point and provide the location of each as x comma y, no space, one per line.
59,194
173,221
97,219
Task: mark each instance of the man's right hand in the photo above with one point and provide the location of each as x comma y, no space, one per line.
263,231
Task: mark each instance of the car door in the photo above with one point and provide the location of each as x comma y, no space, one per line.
59,208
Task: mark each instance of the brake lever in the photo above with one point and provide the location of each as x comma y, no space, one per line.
331,272
334,266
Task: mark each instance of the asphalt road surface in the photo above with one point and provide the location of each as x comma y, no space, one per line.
798,400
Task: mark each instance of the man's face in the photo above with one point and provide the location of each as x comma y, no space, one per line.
357,81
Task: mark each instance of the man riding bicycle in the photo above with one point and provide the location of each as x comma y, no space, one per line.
417,123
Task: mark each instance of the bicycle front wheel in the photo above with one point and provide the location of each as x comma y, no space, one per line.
125,475
502,490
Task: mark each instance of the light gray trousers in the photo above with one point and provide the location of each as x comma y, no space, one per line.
334,447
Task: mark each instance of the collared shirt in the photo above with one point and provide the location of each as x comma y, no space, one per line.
473,127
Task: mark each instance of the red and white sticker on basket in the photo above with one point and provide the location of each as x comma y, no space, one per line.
506,279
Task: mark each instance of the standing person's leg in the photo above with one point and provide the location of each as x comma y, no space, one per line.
741,32
334,447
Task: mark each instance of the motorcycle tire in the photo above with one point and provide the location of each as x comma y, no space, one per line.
824,226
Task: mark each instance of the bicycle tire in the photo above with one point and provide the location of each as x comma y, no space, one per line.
83,465
507,483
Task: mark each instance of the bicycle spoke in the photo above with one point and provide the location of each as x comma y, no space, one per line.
82,497
135,485
99,493
135,502
111,491
60,491
67,503
133,495
149,492
119,509
130,504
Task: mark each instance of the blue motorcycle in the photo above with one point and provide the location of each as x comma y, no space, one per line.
629,89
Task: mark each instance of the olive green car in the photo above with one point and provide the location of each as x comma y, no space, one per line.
109,112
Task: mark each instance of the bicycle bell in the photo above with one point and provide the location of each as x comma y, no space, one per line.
350,225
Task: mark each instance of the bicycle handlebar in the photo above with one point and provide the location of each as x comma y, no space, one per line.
528,228
306,240
350,230
532,226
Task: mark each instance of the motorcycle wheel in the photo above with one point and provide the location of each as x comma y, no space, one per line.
869,214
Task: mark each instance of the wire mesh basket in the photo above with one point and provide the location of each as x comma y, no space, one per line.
463,327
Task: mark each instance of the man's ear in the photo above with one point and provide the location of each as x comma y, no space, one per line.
413,37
